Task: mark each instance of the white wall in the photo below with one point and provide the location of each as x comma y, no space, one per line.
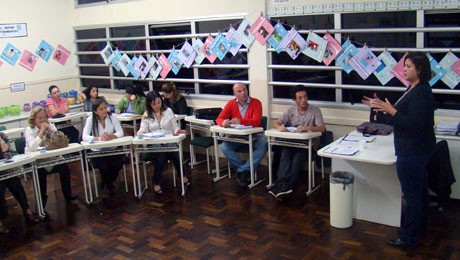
46,20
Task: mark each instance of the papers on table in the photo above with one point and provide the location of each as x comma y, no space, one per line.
237,126
71,113
341,150
292,129
127,114
153,135
447,128
357,138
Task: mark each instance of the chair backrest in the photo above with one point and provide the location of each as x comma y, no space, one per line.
264,122
20,144
190,111
2,127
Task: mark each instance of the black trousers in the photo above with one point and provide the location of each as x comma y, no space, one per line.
64,175
109,167
14,185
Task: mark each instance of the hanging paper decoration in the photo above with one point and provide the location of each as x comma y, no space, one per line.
333,48
142,67
235,42
398,71
44,50
316,46
106,54
116,60
175,61
123,64
343,59
196,47
11,54
131,68
61,54
451,78
293,43
187,55
206,50
456,67
365,62
155,67
28,60
166,66
220,46
437,72
262,29
277,37
245,36
1,63
383,72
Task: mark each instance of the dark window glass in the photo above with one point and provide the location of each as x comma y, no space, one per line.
442,39
173,29
91,46
100,83
307,22
127,31
94,71
324,94
216,26
82,2
91,59
121,84
216,88
90,34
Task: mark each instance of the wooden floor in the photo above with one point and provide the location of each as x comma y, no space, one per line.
213,221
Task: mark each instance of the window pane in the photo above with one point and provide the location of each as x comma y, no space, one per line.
172,29
91,59
90,34
216,89
127,31
100,83
82,2
216,26
121,84
94,71
442,39
307,22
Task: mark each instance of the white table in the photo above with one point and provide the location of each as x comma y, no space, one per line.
17,131
50,158
377,192
20,165
99,149
243,136
73,118
296,140
125,118
141,146
196,124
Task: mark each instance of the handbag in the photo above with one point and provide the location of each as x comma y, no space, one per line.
55,140
368,128
208,113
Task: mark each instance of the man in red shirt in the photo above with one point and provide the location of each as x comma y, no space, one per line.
244,110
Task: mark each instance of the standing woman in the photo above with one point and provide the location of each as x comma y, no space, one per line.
34,133
159,118
14,185
104,126
175,101
414,140
56,106
90,95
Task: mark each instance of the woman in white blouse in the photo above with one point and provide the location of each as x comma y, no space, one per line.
104,126
159,118
34,133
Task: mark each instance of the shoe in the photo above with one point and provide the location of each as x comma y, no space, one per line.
31,218
398,242
157,192
3,229
241,179
47,216
283,192
274,190
69,199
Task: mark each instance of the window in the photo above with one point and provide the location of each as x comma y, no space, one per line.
396,31
151,40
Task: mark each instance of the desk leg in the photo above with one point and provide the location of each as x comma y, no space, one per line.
216,145
136,174
181,168
270,157
311,187
87,181
192,150
38,195
141,190
253,175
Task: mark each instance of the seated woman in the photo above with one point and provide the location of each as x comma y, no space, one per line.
104,126
56,106
34,133
175,101
90,94
132,102
158,118
14,185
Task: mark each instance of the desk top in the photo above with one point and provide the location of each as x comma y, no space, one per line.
128,117
14,131
180,117
379,151
289,135
234,131
448,137
125,140
72,148
69,116
161,140
18,160
194,120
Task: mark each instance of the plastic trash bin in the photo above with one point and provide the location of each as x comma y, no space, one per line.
341,199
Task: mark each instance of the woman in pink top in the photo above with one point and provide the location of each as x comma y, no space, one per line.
56,106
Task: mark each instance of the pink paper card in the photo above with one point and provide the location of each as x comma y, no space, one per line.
166,66
206,49
398,71
456,67
261,29
61,54
28,60
333,48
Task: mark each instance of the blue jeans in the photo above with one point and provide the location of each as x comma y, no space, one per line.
259,145
292,162
412,175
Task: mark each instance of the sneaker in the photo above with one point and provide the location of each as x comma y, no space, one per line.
241,179
274,190
283,192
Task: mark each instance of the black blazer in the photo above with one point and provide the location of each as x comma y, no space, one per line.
414,122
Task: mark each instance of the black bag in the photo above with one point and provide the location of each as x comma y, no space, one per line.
208,113
369,128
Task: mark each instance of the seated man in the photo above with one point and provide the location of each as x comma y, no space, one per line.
243,110
304,117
